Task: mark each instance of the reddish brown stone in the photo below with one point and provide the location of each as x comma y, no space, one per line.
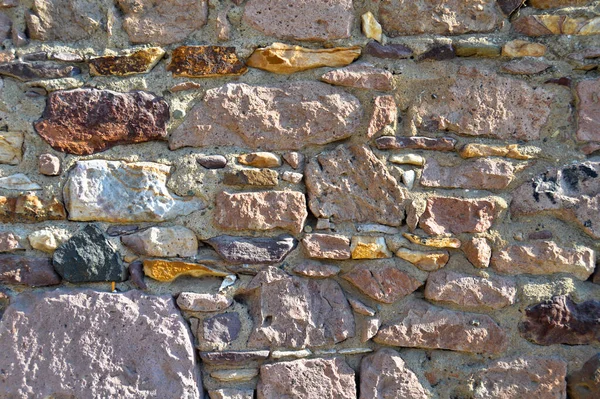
316,270
525,67
438,53
86,121
510,6
382,282
30,209
481,174
253,251
390,51
478,252
24,270
454,215
540,235
362,76
530,26
544,4
416,143
205,62
384,113
561,321
588,110
327,246
585,383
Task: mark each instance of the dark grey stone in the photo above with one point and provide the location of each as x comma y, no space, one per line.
212,161
121,230
438,53
223,328
238,250
25,71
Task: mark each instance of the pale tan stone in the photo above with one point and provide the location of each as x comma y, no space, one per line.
435,242
426,261
369,248
47,240
260,160
514,151
371,28
11,147
165,242
327,246
523,48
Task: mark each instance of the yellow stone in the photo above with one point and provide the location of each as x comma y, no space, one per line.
369,248
427,261
370,27
260,160
484,150
436,242
283,58
169,270
523,48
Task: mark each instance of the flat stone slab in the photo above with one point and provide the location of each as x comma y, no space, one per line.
25,270
253,251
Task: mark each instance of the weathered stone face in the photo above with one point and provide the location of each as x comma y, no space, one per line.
65,20
478,252
454,215
205,61
91,335
327,246
86,121
23,270
557,3
29,208
416,143
11,147
588,110
584,383
163,242
548,24
361,76
140,61
254,251
222,329
284,117
26,72
169,270
481,174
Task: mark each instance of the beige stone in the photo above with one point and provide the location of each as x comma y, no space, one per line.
327,246
203,302
237,375
409,159
426,261
260,160
523,48
47,240
361,75
435,242
11,147
363,247
165,242
514,151
479,174
371,28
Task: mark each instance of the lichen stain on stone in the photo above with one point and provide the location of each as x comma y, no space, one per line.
141,61
205,62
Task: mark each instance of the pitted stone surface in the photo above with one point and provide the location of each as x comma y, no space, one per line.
455,215
253,251
588,112
481,174
163,242
361,76
64,20
584,383
23,270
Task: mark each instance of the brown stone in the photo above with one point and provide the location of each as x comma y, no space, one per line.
308,113
469,106
548,24
25,71
474,150
285,58
221,329
584,383
426,261
438,53
478,251
477,49
525,67
140,61
454,215
352,184
265,210
442,17
390,51
480,174
361,75
316,270
30,209
327,246
510,6
136,274
294,159
64,20
416,143
588,110
86,121
543,4
544,257
25,270
470,292
361,308
295,312
162,22
561,321
205,62
310,20
251,177
382,282
523,48
421,325
169,270
384,374
253,251
385,113
521,377
435,242
9,242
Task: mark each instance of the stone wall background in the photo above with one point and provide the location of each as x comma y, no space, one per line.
411,218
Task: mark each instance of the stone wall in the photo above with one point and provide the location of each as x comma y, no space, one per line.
299,199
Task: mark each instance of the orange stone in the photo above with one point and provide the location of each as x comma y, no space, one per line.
205,62
167,270
141,61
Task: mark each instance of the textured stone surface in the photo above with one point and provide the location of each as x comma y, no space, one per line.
139,61
588,110
246,250
307,378
203,302
18,181
584,383
426,261
352,184
544,257
89,256
169,270
9,242
316,270
261,211
390,51
523,48
510,6
311,20
162,22
421,325
205,62
365,247
384,374
251,177
86,121
327,246
163,242
233,376
471,106
371,28
362,76
481,174
231,393
557,3
260,159
23,270
119,192
477,49
525,67
27,208
284,58
222,329
478,251
49,165
50,340
561,321
11,147
382,282
438,53
288,116
385,113
64,20
522,377
212,161
233,358
26,72
435,242
443,17
455,215
295,312
47,240
475,150
136,274
542,25
416,143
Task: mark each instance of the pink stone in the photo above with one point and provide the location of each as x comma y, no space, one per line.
454,215
316,270
361,75
480,174
327,246
588,110
478,251
385,113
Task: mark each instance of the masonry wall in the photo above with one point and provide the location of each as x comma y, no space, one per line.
299,199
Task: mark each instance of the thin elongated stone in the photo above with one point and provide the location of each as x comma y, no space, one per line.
26,72
253,251
169,270
548,24
416,143
361,76
25,270
233,358
205,62
29,208
140,61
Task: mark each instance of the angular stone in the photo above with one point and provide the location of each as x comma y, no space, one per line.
307,113
544,257
251,177
369,248
164,242
47,240
480,174
542,25
385,113
469,106
352,184
584,383
49,165
292,177
327,246
435,242
525,67
30,208
169,270
478,251
588,110
121,230
361,308
295,312
369,328
438,53
415,143
442,17
569,193
371,28
26,72
382,282
454,215
426,261
139,61
390,51
384,374
64,20
162,22
285,58
522,377
307,378
523,48
543,4
261,211
25,270
470,292
474,150
18,181
310,20
233,358
212,161
425,326
119,192
11,147
361,75
260,160
234,375
136,274
510,6
231,393
86,121
253,251
205,62
294,159
222,329
89,256
204,302
561,321
91,333
316,270
9,242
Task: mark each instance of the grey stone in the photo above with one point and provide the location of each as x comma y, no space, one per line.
136,274
25,71
245,250
233,358
390,51
212,161
222,329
